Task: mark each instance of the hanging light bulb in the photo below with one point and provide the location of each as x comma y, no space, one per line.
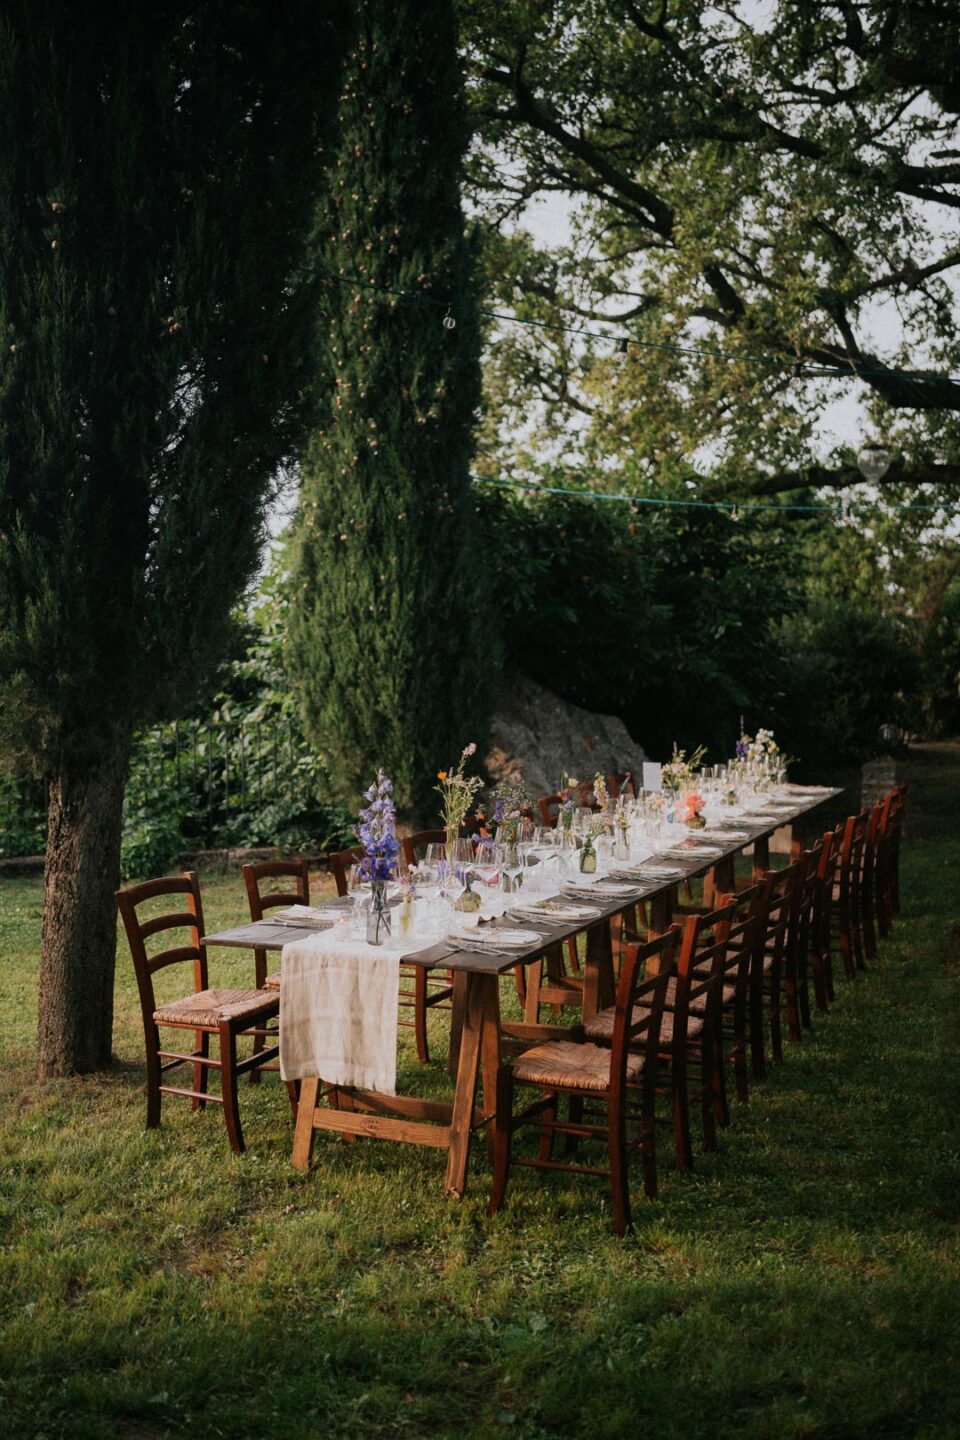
796,375
449,323
621,352
735,512
873,461
845,508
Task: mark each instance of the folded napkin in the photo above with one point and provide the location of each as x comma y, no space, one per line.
660,872
602,887
556,913
497,938
308,914
726,835
338,1011
693,851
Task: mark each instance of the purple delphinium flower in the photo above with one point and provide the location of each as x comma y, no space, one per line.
377,832
743,749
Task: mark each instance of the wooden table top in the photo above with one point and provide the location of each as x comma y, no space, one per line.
273,935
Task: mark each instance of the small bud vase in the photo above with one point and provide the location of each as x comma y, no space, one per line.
588,858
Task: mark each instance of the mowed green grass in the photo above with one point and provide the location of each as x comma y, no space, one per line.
804,1282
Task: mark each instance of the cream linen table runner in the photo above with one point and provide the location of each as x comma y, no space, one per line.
338,1011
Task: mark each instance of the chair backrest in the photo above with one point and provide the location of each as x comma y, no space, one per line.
640,1003
260,900
851,857
744,935
621,783
779,910
701,969
339,863
189,916
418,841
549,807
807,911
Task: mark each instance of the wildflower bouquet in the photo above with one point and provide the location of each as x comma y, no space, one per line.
678,773
510,802
568,800
457,791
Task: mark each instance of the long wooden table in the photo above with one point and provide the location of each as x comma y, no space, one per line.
449,1125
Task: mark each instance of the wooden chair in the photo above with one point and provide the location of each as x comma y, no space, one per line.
821,950
888,863
869,866
226,1013
745,937
259,901
340,862
766,978
799,956
612,1085
428,991
847,894
690,1061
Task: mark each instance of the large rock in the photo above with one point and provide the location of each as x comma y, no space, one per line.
538,735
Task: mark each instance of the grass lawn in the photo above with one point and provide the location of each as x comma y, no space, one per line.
804,1282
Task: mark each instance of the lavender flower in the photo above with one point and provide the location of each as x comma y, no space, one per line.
743,748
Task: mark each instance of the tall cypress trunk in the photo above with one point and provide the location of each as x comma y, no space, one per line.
78,944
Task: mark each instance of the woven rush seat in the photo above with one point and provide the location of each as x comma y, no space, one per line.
569,1063
601,1026
211,1007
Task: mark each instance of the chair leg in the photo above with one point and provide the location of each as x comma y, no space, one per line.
758,1059
648,1150
548,1115
617,1142
575,1112
228,1082
293,1090
721,1106
502,1136
681,1113
420,1015
154,1097
776,1029
200,1072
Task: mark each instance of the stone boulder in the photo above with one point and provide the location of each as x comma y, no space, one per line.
536,734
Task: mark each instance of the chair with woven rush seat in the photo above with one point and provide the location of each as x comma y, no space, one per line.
259,901
690,1036
847,908
228,1014
608,1077
766,978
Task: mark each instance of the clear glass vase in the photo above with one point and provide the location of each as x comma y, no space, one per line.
378,915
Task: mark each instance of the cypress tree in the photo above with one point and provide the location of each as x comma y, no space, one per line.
387,606
158,173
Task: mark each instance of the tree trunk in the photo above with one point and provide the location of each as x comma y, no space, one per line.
78,945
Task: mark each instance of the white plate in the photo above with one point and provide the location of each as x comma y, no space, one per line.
497,939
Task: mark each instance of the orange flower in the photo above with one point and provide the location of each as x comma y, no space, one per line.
441,774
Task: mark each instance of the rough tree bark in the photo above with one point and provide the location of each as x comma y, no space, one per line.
78,943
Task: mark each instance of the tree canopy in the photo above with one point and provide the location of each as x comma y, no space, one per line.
158,167
753,186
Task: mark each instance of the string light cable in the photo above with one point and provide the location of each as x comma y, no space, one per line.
795,369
